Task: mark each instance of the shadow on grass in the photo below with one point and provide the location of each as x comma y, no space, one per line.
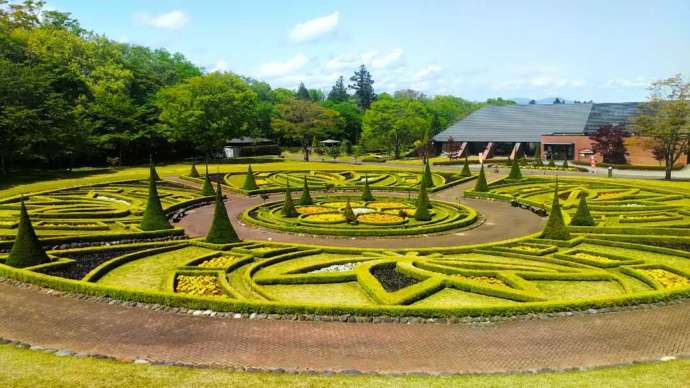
23,177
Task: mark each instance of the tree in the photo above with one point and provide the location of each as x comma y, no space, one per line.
499,101
395,124
532,102
515,172
481,186
351,124
288,209
306,199
665,118
302,92
303,121
317,95
249,180
154,217
338,92
609,142
582,216
207,110
363,85
221,231
447,110
422,212
366,191
555,228
26,249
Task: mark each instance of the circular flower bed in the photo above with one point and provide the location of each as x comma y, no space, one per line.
386,205
342,204
380,219
313,209
324,218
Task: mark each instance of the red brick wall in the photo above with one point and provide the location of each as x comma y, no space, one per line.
638,148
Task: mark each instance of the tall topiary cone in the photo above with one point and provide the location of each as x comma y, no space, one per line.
306,199
366,192
26,250
249,181
565,163
481,186
552,163
154,218
193,172
537,157
466,168
152,170
583,217
555,228
207,187
348,213
288,209
422,213
427,179
515,172
221,231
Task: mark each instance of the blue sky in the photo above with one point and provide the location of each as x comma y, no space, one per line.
607,51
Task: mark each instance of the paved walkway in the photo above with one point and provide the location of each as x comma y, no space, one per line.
501,222
34,317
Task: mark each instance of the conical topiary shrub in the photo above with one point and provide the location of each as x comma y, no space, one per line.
422,213
207,187
306,199
26,250
552,163
249,181
481,186
537,157
582,216
555,228
466,168
515,172
152,170
221,231
565,163
427,179
288,209
348,213
193,172
154,218
366,192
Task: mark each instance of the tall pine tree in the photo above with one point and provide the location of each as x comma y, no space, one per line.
303,92
363,85
339,92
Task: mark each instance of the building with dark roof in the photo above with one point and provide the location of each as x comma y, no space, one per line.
561,130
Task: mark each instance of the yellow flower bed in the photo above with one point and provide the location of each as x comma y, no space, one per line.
386,205
526,248
325,218
342,204
483,279
260,182
611,195
198,285
408,211
312,209
668,279
587,256
380,218
218,262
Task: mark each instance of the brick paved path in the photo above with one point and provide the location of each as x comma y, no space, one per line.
34,317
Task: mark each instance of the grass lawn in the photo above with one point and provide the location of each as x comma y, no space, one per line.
26,368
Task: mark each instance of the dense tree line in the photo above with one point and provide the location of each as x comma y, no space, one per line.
72,97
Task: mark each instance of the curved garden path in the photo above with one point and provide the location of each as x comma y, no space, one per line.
502,222
587,340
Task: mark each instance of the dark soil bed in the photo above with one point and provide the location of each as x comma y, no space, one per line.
391,279
86,261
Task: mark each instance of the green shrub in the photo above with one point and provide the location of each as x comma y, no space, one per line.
207,187
348,213
366,192
288,209
154,218
152,171
555,228
249,181
422,213
194,173
481,186
552,163
221,231
26,250
306,199
582,217
466,168
515,172
427,179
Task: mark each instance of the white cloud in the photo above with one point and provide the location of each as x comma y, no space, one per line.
314,28
430,71
282,69
638,82
172,20
385,60
221,65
